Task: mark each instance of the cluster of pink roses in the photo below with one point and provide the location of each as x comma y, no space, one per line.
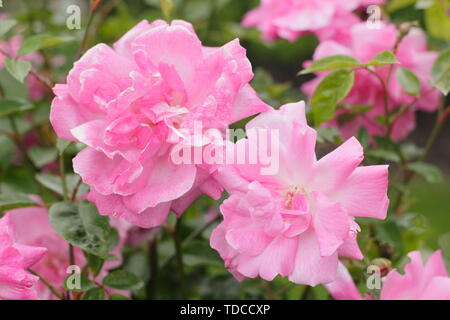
365,44
290,19
341,32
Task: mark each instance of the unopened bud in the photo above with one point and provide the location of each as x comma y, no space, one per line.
384,264
404,28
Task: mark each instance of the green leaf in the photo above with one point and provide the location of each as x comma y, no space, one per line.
329,134
411,151
94,294
335,62
81,225
51,182
437,21
42,156
95,263
61,145
346,117
441,72
361,109
54,183
384,58
85,284
38,42
363,137
123,280
383,154
166,8
444,244
395,5
389,232
18,69
116,296
10,201
333,88
431,173
382,119
9,107
408,80
6,25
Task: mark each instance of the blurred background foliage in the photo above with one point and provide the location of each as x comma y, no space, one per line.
425,225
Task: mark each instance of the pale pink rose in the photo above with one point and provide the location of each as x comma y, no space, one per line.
366,43
33,228
420,281
36,91
16,283
290,19
297,222
131,103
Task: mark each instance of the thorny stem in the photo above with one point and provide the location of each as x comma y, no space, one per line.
105,10
385,97
73,198
92,12
71,255
404,30
66,198
153,260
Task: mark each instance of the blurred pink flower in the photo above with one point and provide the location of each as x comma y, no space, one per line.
290,19
16,283
33,228
420,281
297,222
131,104
412,53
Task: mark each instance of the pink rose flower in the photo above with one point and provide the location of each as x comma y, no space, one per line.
33,228
290,19
297,222
421,281
412,53
16,283
131,104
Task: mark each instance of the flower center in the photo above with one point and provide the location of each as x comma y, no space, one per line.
296,199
